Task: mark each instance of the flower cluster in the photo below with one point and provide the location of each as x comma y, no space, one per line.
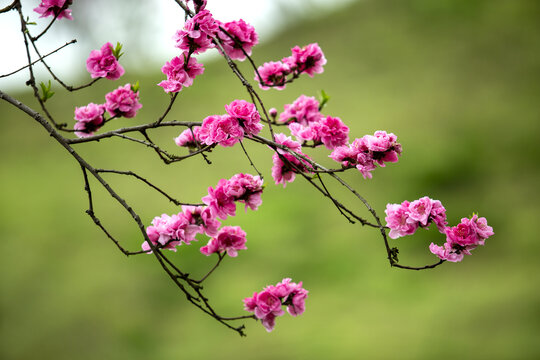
229,239
242,118
103,63
267,304
365,152
244,188
403,219
56,8
123,102
308,59
180,71
168,232
463,238
304,111
287,165
89,119
199,34
196,36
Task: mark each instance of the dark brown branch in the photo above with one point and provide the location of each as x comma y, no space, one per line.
131,173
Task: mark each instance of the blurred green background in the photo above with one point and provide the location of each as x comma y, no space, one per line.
456,80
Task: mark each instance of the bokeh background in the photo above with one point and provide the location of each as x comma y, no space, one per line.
455,80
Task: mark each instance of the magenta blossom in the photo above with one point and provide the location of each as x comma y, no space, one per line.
247,115
221,203
272,74
197,34
462,238
404,219
229,239
311,132
89,119
221,129
103,63
243,39
333,132
367,151
267,304
58,8
203,217
123,102
246,189
308,59
179,74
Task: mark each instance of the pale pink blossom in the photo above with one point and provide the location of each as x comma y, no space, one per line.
229,239
397,216
303,133
419,211
189,138
333,132
304,110
54,8
123,102
285,140
247,115
220,129
89,119
244,38
179,74
168,232
103,63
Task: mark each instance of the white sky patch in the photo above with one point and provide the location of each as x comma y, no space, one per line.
158,28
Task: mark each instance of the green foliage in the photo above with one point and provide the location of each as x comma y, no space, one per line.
46,92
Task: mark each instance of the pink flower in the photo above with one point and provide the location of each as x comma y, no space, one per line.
285,140
229,239
246,189
203,217
273,74
480,226
438,215
419,211
397,216
304,110
168,232
463,238
309,59
267,305
333,132
244,38
188,137
197,34
309,132
123,102
446,252
54,8
102,63
368,150
179,74
383,146
89,119
247,115
221,129
219,201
